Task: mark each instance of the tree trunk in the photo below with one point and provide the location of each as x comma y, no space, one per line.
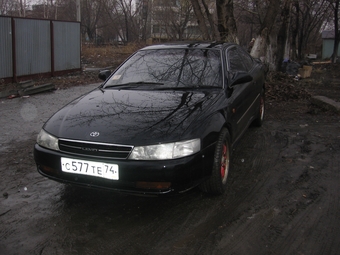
200,20
260,45
336,32
262,40
282,37
226,21
295,30
211,21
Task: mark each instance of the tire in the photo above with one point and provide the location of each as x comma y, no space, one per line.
260,116
216,184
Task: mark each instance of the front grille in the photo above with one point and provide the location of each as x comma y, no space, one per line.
95,149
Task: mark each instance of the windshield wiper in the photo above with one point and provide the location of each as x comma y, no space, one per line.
133,84
189,88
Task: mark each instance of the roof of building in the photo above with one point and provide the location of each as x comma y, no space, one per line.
328,34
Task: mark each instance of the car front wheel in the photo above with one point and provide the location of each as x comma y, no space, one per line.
216,184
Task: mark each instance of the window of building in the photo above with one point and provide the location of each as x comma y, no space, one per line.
161,3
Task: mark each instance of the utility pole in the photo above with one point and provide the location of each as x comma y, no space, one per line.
56,10
45,10
78,10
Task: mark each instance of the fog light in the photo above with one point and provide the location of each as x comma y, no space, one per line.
153,185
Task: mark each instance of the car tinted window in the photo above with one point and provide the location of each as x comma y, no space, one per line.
172,67
235,61
247,59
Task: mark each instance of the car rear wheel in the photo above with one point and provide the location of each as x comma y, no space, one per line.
216,184
260,117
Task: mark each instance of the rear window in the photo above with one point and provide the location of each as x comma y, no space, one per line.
172,67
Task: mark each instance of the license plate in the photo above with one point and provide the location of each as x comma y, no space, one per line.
91,168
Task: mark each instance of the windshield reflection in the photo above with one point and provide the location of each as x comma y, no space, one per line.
174,68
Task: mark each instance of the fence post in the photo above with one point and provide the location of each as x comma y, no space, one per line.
14,58
52,47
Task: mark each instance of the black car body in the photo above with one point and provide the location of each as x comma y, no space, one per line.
164,121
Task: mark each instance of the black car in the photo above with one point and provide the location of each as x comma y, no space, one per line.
164,121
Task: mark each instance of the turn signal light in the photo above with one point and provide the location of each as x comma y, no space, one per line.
47,169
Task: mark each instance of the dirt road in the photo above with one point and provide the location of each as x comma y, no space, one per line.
283,194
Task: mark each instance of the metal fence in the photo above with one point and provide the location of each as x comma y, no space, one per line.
31,47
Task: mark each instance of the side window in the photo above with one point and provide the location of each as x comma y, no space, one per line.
234,60
247,59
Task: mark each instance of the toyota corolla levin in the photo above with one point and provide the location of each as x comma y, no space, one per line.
164,121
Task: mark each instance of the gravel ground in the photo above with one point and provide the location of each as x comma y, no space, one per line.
282,198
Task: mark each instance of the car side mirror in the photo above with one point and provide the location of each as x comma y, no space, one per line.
103,75
241,77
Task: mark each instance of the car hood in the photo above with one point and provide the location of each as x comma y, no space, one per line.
134,117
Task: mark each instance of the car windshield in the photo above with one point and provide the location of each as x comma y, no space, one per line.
174,68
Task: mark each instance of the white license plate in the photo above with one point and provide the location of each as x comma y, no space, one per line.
98,169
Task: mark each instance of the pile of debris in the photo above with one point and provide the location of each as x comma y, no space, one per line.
26,88
297,70
281,87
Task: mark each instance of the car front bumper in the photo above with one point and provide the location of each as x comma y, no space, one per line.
135,177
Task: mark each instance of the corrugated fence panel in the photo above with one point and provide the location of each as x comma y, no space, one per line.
6,64
33,46
66,45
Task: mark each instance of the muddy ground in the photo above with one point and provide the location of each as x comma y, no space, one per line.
283,194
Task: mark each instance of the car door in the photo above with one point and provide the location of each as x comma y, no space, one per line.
255,69
242,96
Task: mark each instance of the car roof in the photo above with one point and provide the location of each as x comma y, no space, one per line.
189,45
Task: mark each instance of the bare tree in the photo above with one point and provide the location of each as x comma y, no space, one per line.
131,21
211,19
265,41
205,13
7,7
22,10
308,18
13,7
180,20
173,20
283,34
281,25
201,20
226,22
91,13
120,20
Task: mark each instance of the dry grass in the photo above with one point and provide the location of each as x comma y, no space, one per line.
106,56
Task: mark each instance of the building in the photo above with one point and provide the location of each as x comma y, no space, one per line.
328,44
164,20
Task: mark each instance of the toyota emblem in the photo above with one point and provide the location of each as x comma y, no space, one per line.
94,134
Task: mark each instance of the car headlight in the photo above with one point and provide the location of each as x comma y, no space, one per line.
166,150
46,140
